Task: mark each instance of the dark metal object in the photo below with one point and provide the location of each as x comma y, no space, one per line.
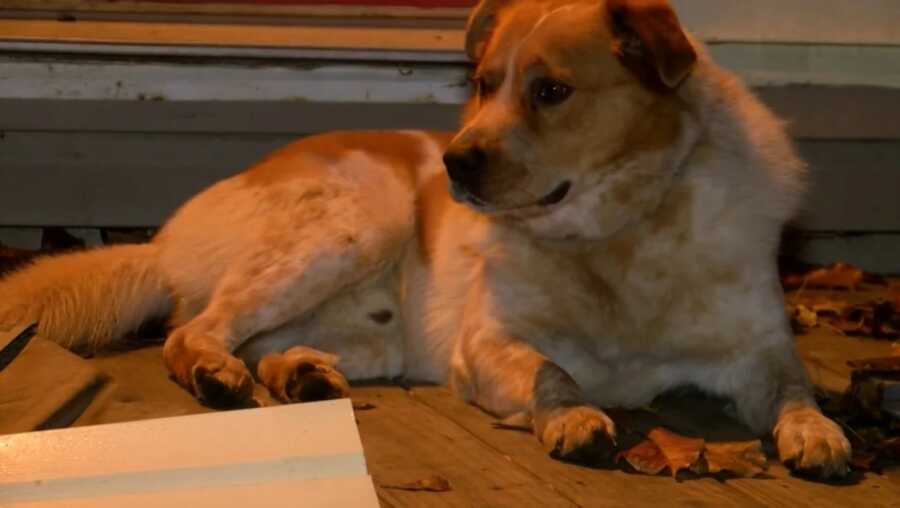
9,352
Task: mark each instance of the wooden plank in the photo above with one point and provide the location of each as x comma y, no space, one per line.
585,486
794,21
211,117
881,491
609,488
140,387
21,238
799,64
273,79
291,443
263,12
812,112
310,81
135,179
91,179
406,441
858,22
207,34
836,112
52,400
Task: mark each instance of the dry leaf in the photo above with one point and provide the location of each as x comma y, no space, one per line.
433,483
838,275
867,366
804,318
666,449
745,459
679,451
644,457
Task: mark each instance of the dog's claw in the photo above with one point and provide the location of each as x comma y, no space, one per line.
579,434
302,375
811,444
222,382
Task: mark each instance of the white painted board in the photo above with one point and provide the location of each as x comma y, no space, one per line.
280,456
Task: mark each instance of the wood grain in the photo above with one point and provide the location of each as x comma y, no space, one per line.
405,441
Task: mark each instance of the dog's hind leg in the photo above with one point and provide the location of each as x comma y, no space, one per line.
291,271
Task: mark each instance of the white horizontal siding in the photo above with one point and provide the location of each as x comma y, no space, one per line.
90,79
795,21
92,138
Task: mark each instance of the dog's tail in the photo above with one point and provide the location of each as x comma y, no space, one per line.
86,300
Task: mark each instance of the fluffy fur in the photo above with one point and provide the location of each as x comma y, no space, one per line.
599,250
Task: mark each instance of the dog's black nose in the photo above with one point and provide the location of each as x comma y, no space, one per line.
464,166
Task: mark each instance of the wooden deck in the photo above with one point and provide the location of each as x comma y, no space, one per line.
412,434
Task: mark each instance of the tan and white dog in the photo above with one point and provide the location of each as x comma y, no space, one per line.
610,231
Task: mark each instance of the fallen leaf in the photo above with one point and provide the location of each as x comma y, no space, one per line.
679,451
868,366
745,459
804,318
433,483
838,275
644,457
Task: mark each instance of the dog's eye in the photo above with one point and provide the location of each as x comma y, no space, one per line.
549,92
484,88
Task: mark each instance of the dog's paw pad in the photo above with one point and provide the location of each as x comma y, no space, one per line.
302,375
809,443
579,434
222,382
311,381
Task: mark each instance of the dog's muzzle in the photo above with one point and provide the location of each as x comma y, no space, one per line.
464,167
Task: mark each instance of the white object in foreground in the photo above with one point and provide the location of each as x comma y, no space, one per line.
295,455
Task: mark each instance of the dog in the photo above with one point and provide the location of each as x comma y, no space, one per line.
602,228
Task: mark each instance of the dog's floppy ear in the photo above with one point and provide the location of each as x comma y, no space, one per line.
481,23
650,41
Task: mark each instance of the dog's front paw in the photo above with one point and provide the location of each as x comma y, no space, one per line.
222,381
579,433
810,443
302,374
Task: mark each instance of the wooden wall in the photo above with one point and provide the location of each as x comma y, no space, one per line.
90,139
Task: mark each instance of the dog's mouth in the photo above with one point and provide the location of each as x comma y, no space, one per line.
556,195
463,195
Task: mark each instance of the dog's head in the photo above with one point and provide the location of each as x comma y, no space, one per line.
567,94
